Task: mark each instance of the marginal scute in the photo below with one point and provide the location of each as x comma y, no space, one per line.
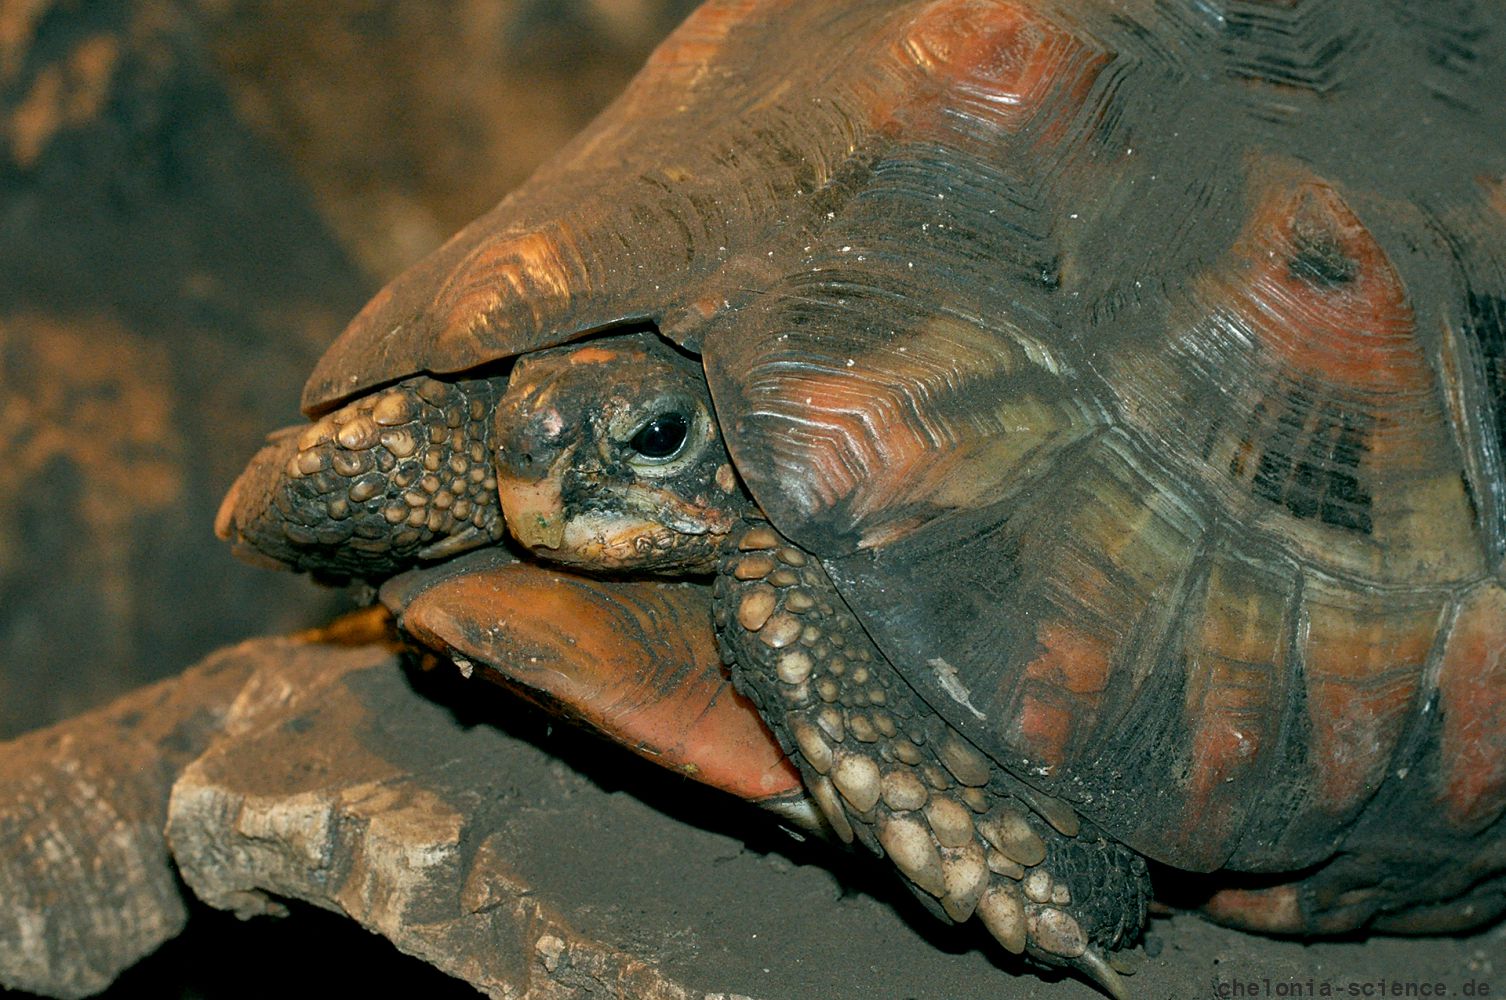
1472,704
846,434
1235,626
1061,688
1363,663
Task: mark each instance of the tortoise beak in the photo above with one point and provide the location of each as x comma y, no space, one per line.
533,507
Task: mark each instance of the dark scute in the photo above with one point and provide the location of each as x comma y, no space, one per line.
1311,461
1303,46
1320,261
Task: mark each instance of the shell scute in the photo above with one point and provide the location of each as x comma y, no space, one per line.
1295,382
1472,704
1236,646
1363,661
1061,692
996,62
1474,357
889,427
1315,289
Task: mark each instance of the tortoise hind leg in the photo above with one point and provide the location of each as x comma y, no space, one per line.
972,840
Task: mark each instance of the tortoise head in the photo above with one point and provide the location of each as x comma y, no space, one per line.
609,458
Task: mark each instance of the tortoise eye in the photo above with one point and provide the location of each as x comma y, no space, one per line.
661,437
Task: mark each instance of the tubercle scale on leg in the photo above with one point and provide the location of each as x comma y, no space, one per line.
398,477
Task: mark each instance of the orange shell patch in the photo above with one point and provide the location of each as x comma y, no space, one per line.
1472,702
999,60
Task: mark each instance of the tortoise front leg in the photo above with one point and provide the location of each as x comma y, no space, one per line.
398,477
971,839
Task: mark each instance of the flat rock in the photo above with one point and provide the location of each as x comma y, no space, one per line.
535,862
337,784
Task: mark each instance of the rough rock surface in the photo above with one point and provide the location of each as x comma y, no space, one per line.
335,783
85,879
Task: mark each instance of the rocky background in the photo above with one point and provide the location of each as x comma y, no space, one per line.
194,197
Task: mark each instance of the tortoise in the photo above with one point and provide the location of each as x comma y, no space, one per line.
1091,416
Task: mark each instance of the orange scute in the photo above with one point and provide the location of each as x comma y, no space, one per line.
863,444
703,35
1061,692
1316,289
536,270
1363,667
1472,704
1233,724
1233,701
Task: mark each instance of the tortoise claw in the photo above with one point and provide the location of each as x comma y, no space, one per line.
1092,964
